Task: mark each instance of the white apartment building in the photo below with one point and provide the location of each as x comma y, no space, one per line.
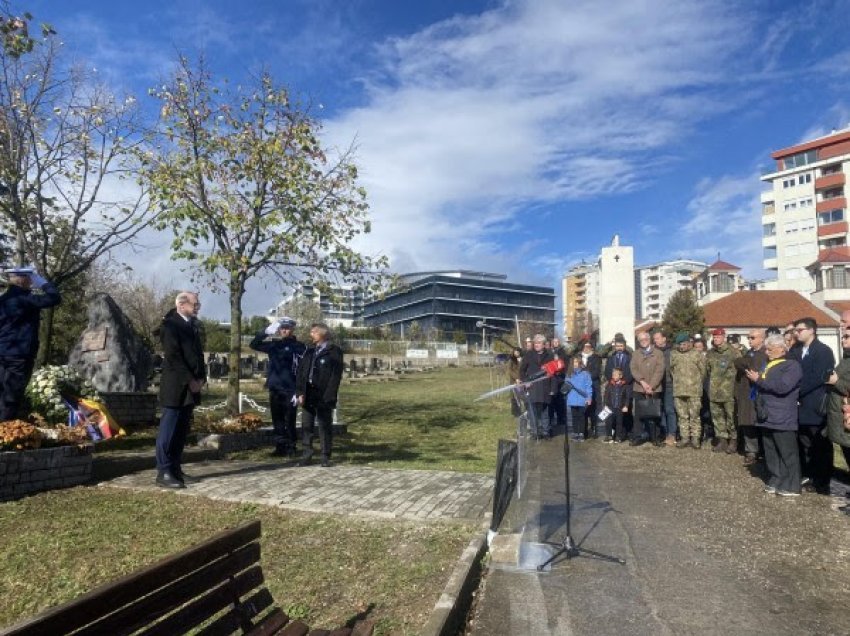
656,284
805,209
341,306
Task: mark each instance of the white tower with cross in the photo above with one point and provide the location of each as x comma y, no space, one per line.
616,292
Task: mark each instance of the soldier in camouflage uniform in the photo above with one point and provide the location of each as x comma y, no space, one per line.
687,366
720,366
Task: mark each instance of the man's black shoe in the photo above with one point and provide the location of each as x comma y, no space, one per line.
326,463
280,451
166,480
186,479
636,442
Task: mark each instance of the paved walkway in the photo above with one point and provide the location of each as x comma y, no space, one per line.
705,550
372,492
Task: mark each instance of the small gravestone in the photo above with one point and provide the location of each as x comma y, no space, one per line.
110,353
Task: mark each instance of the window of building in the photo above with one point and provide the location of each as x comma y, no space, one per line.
806,225
833,169
791,227
769,229
791,205
807,203
830,216
833,193
804,178
768,208
838,277
789,183
770,252
799,160
836,241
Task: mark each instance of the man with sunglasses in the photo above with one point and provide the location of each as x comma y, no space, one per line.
815,448
755,358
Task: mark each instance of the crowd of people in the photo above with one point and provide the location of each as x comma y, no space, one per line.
781,400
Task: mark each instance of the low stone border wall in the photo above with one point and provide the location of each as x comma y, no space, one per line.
451,608
31,471
132,409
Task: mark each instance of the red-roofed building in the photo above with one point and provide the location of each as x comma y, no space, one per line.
805,210
744,310
831,276
716,281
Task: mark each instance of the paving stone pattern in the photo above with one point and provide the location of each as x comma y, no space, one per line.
372,492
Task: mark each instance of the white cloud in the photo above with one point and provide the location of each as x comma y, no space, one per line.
475,118
724,218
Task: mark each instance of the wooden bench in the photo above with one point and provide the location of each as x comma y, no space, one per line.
213,588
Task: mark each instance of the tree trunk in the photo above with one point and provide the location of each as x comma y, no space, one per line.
235,356
45,337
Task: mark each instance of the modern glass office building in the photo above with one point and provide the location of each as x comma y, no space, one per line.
453,302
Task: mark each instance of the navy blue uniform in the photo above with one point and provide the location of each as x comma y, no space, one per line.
284,356
20,317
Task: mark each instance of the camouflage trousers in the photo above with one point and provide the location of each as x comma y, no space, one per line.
723,417
687,411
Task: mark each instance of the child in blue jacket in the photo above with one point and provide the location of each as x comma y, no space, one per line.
578,399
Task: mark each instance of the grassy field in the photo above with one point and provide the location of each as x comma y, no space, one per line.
322,568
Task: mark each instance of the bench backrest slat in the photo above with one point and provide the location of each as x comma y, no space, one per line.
245,614
105,599
205,607
295,628
164,600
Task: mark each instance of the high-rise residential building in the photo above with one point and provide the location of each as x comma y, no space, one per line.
805,209
656,284
600,297
580,300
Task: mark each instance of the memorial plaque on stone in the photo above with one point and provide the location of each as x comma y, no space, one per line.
110,353
94,340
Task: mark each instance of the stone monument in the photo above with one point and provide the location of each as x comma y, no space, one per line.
110,353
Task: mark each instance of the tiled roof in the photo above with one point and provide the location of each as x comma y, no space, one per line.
839,254
722,266
763,308
838,306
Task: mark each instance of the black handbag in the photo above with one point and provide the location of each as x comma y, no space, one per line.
823,406
649,408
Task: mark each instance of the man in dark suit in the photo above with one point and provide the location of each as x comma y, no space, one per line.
815,448
183,376
541,392
316,388
20,316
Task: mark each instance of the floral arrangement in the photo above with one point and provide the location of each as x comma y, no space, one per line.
19,435
47,387
241,423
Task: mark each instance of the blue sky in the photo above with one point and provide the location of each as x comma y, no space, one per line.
517,136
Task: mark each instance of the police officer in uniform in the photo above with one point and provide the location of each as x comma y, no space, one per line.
20,316
284,352
317,384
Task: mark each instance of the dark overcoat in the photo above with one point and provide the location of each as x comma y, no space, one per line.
326,366
754,359
835,417
183,360
815,364
532,362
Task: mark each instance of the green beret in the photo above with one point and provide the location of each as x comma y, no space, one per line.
682,337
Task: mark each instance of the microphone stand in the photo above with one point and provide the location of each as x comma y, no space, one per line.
568,548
